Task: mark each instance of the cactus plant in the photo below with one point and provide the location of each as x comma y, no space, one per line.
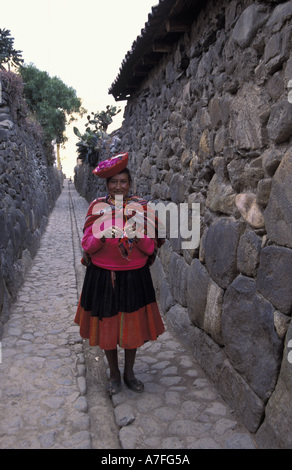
89,144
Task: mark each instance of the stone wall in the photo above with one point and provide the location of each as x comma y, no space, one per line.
219,134
29,187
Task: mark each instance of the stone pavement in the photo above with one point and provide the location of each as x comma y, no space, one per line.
52,384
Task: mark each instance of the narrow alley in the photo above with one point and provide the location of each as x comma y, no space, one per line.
52,385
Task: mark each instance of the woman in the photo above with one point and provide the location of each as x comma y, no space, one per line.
117,305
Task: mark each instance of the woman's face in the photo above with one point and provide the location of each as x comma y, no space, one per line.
119,185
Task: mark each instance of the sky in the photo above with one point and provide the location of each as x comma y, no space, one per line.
81,42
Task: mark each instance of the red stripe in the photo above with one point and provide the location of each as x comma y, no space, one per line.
128,330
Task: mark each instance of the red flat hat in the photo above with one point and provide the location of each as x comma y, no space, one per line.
112,166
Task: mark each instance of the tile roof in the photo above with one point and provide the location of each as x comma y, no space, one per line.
166,23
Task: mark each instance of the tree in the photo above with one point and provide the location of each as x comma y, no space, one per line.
8,55
51,101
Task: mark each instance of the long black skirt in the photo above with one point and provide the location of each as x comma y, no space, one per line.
118,308
106,293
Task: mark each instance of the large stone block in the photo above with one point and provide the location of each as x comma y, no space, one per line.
278,214
4,232
161,285
240,397
250,210
213,312
275,432
221,197
280,15
177,277
165,296
197,292
249,335
246,28
280,122
177,188
248,115
2,287
264,192
274,277
271,160
157,273
248,253
233,388
221,250
146,167
179,321
277,50
164,255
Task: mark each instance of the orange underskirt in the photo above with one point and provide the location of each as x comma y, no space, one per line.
128,330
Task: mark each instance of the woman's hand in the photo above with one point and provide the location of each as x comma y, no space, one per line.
134,231
85,258
111,232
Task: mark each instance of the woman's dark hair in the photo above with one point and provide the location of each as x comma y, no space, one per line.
127,171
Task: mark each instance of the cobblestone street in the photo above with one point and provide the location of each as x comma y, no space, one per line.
52,385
